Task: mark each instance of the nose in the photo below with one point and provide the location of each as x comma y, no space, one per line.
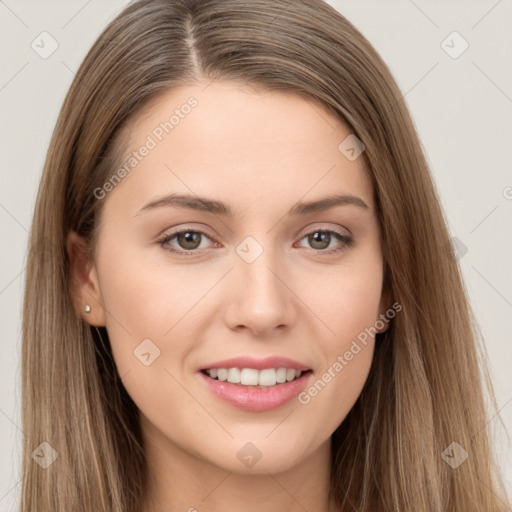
262,300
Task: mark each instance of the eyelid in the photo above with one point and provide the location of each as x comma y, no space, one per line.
319,226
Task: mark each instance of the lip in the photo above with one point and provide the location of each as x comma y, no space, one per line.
257,364
253,399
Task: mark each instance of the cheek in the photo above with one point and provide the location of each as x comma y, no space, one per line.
344,298
156,314
151,330
346,349
144,294
348,306
333,391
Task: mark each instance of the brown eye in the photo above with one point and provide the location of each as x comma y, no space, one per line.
320,240
189,240
186,241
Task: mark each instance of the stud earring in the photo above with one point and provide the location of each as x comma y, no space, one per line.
87,308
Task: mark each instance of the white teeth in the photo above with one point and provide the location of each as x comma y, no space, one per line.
249,377
281,375
268,377
253,377
234,375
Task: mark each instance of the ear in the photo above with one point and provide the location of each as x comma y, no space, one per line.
83,281
385,304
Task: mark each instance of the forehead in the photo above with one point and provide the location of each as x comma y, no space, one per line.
228,140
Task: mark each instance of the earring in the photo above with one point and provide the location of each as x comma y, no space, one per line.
87,308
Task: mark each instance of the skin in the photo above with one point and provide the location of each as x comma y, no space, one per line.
260,152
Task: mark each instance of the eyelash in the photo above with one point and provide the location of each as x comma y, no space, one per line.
347,241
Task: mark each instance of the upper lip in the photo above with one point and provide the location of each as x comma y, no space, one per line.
257,364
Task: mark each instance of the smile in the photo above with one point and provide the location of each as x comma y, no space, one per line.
252,377
248,393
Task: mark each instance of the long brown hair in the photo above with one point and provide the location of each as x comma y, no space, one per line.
426,386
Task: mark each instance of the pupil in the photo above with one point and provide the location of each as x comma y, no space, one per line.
320,237
187,238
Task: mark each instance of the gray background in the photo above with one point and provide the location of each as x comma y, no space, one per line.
461,107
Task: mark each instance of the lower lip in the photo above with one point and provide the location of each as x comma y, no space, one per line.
250,398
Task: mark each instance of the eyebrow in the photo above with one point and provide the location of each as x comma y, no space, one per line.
204,204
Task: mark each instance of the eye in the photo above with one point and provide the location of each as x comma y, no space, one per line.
188,239
321,239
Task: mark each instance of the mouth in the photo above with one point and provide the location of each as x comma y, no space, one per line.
255,390
251,377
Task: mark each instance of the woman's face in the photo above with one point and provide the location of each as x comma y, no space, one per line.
259,273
